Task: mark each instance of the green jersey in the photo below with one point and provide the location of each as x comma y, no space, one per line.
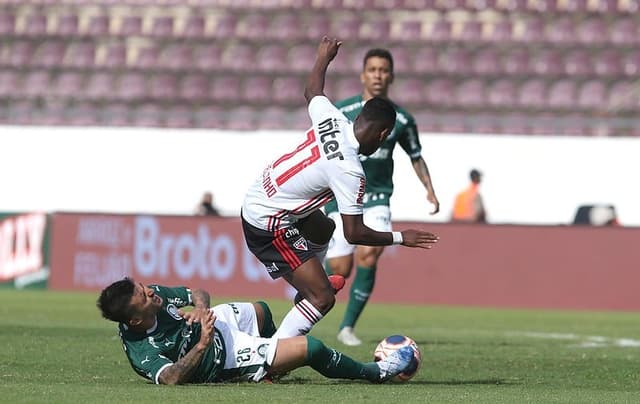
378,167
170,339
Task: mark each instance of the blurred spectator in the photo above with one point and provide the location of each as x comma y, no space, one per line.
468,206
596,215
205,207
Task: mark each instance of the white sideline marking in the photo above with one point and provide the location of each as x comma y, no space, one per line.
583,341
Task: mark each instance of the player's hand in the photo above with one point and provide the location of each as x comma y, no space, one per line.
433,199
196,315
419,238
328,48
206,329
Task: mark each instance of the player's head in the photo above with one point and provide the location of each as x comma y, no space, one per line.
377,73
475,176
128,302
373,125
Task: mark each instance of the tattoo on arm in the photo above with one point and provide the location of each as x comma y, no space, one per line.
201,299
181,371
420,166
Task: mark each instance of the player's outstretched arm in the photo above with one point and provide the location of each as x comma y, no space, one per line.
181,371
327,50
356,232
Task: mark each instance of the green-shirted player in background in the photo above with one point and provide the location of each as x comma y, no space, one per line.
376,77
228,342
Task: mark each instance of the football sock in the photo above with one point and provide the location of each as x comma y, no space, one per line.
336,365
268,327
360,291
299,321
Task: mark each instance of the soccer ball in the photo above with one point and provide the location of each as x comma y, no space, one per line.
390,344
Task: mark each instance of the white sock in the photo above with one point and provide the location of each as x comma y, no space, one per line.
299,321
320,250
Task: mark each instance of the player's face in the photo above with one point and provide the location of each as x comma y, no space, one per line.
376,77
145,302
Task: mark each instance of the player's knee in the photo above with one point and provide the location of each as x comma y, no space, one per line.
323,302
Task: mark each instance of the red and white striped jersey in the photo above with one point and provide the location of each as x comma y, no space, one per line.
322,165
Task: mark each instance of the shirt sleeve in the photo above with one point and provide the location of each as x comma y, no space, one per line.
410,140
179,296
320,108
147,361
348,189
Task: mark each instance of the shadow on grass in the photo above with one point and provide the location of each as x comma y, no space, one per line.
414,382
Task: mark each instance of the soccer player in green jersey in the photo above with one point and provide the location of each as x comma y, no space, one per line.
377,76
228,342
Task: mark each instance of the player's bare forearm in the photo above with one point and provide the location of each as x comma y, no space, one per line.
201,299
422,171
356,232
181,371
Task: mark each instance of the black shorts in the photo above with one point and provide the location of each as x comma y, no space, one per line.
280,252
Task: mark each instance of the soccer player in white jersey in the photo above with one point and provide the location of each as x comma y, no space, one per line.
282,223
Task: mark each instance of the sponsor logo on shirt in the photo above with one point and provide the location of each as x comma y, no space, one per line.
360,197
173,311
328,130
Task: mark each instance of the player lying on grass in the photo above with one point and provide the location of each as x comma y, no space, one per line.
229,342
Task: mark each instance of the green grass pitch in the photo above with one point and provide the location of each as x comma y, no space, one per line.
55,348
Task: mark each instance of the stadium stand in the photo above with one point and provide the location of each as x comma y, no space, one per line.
472,65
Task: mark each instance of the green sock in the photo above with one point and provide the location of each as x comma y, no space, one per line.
327,268
336,365
360,290
268,327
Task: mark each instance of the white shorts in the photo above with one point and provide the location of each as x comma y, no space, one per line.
376,217
248,356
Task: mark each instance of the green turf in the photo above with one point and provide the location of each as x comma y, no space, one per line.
56,348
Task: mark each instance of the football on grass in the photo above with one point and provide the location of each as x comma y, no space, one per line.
394,342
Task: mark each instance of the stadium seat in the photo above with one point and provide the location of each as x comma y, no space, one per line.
486,62
425,60
502,94
35,25
239,57
116,115
300,56
162,27
606,6
7,23
9,83
500,32
426,120
226,89
67,25
131,25
299,119
49,54
512,6
472,31
547,62
286,27
592,31
349,86
210,116
51,112
409,30
562,94
273,117
21,53
316,26
80,55
440,93
377,29
514,124
532,93
176,57
455,61
21,112
402,61
241,118
100,85
470,93
624,32
561,31
208,57
409,91
131,86
631,63
533,31
194,87
623,96
82,114
98,25
115,56
288,90
225,26
257,90
163,86
194,27
254,26
453,122
179,116
608,63
347,27
517,62
148,115
543,6
69,84
592,95
578,63
576,6
146,58
440,31
270,57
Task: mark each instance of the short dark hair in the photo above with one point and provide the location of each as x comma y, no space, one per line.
475,175
114,301
379,53
379,111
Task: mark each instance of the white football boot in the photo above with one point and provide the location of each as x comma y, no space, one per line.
347,337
